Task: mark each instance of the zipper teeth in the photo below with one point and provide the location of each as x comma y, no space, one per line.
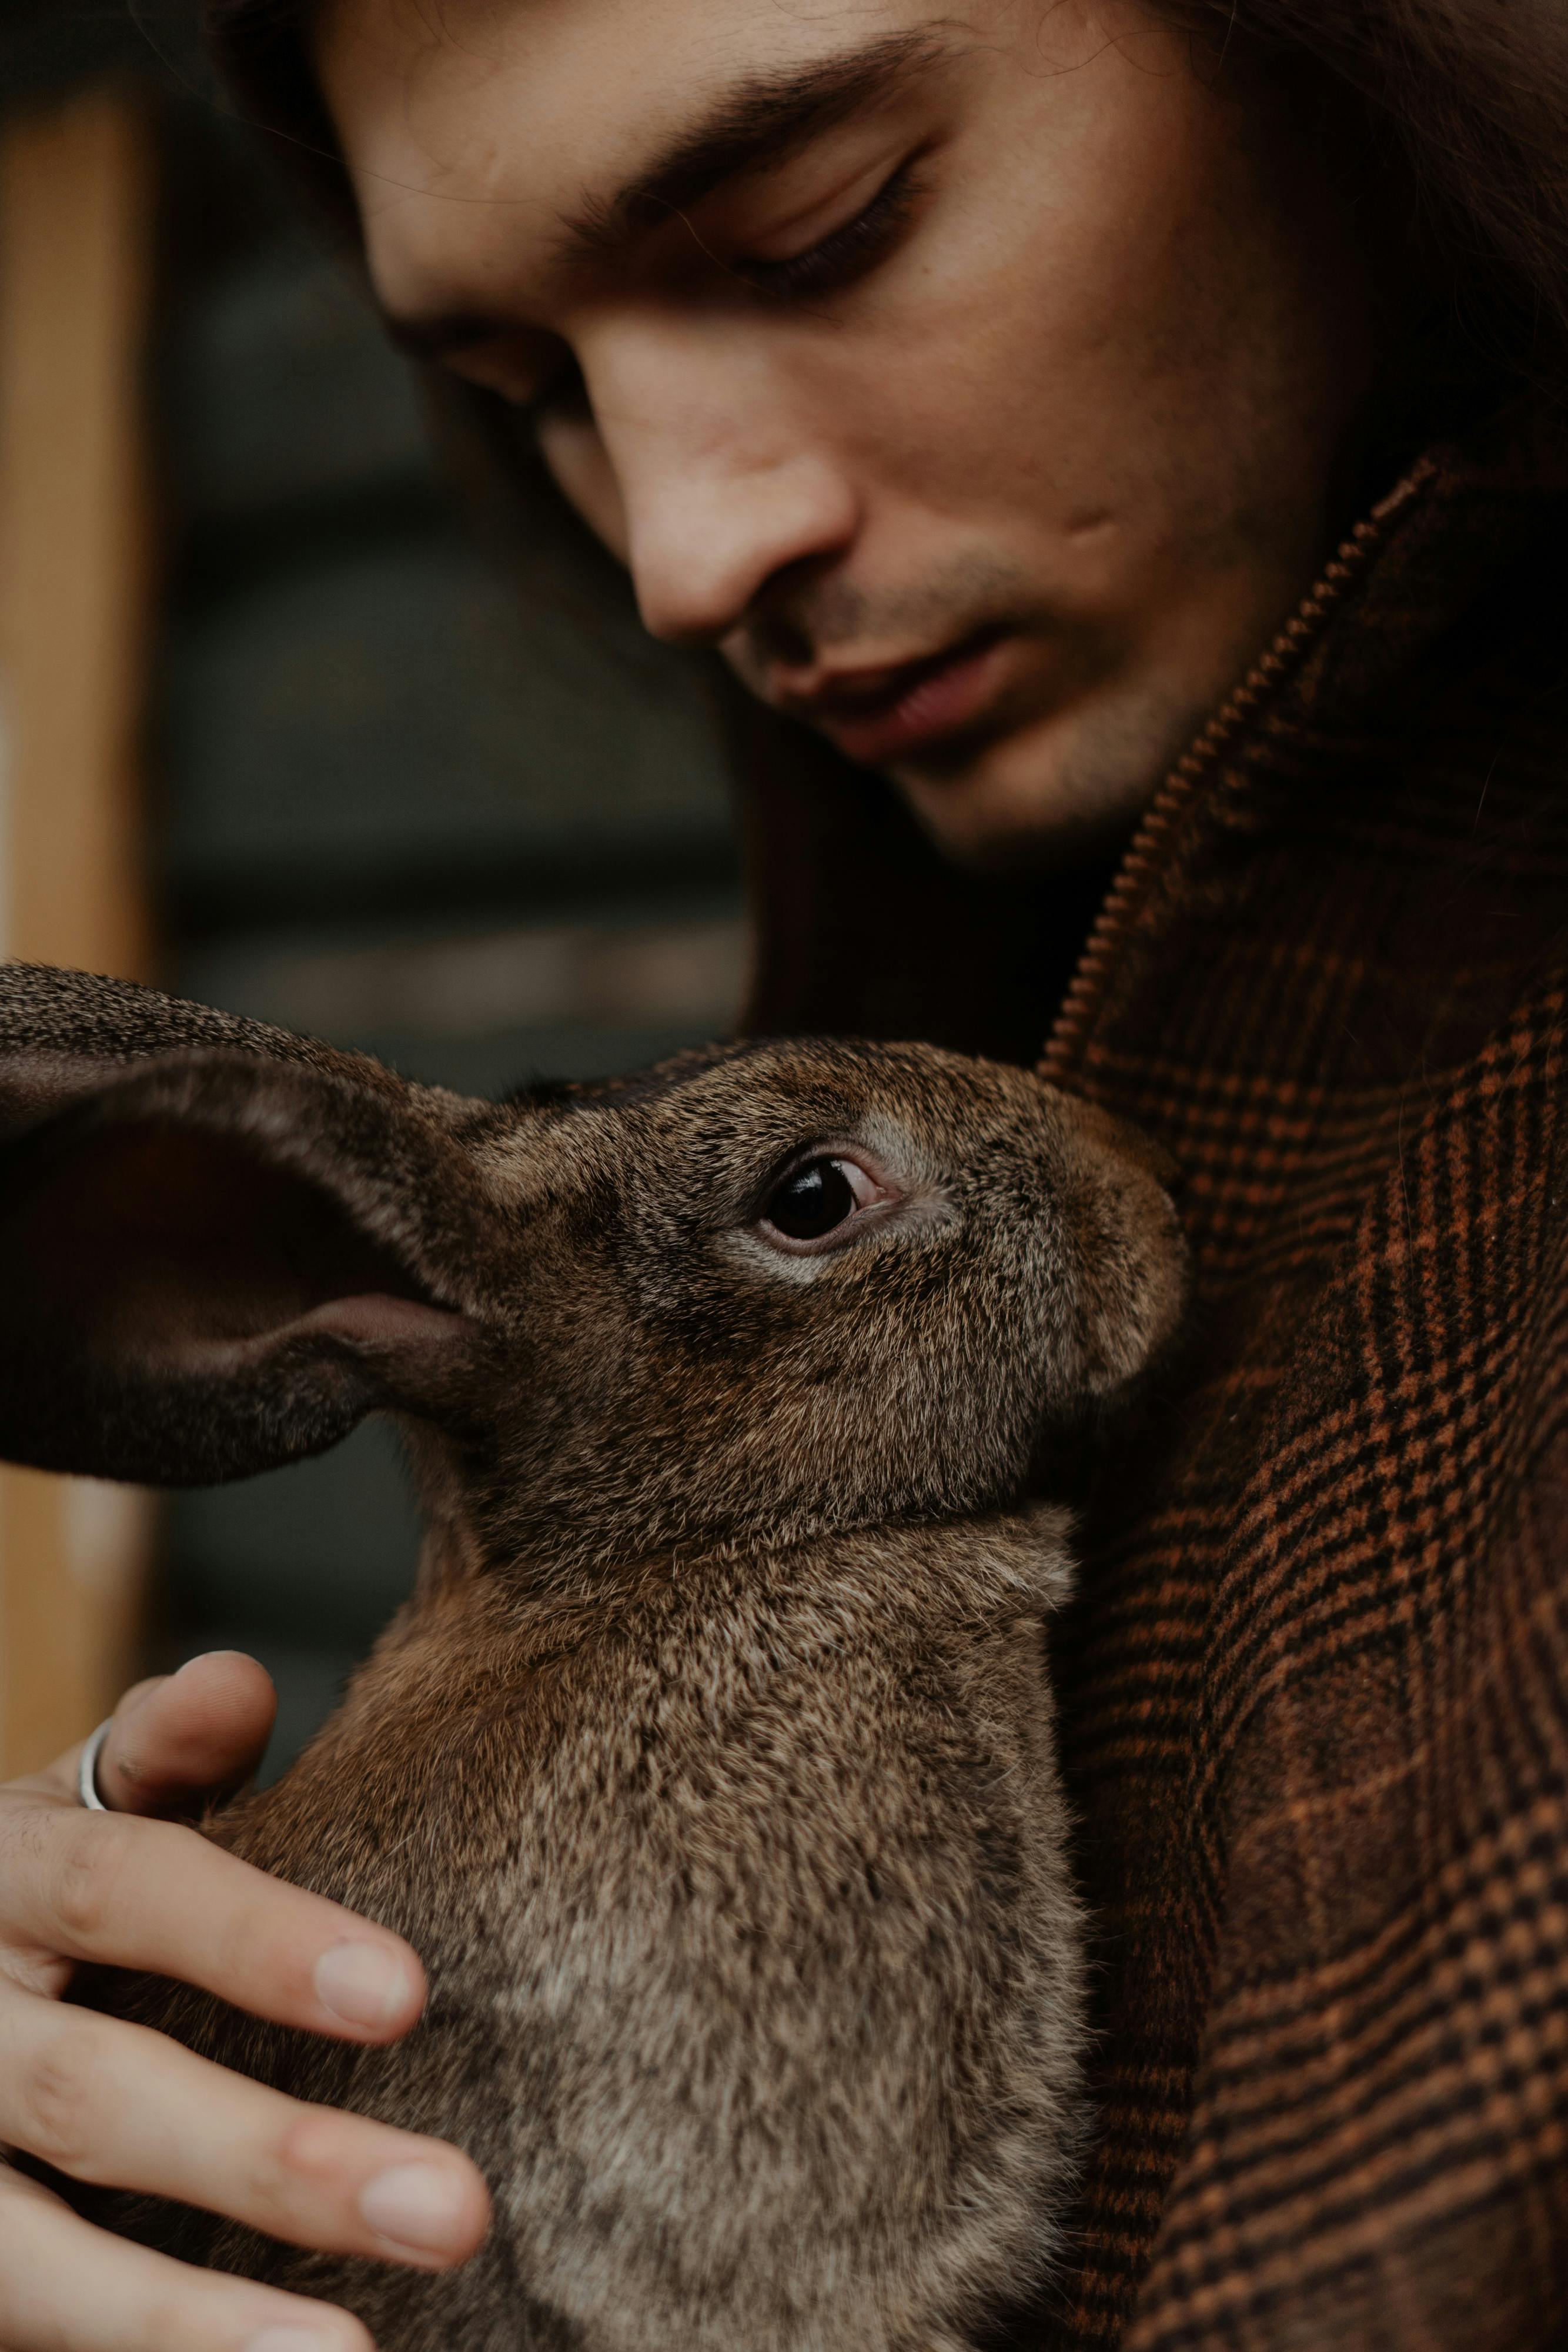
1267,675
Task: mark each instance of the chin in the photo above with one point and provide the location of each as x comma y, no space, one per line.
1063,791
991,819
987,841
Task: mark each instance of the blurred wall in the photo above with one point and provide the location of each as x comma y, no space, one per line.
454,811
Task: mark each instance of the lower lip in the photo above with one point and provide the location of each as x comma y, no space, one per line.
939,705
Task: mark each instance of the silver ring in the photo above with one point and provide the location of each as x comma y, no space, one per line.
86,1770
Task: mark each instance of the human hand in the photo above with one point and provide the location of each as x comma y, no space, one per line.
107,2102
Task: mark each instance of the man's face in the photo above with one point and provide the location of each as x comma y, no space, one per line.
976,385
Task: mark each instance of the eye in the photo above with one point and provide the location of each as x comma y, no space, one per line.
817,1197
848,253
812,1201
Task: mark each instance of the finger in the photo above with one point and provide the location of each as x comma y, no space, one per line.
156,1896
119,2106
64,2284
200,1732
181,1737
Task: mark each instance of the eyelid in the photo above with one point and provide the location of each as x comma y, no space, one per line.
844,253
785,239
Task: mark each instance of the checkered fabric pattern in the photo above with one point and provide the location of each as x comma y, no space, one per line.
1315,1687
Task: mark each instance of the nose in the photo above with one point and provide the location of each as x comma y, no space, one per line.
1123,1141
724,485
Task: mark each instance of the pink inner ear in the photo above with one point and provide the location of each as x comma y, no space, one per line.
375,1319
412,1348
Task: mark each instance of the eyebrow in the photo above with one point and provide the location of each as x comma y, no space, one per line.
758,123
761,120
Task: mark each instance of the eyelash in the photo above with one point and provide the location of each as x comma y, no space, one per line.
848,253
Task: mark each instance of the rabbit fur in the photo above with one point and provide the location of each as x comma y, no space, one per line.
710,1770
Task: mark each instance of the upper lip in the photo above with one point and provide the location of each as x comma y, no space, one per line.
852,693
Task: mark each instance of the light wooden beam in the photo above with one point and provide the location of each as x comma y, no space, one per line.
77,245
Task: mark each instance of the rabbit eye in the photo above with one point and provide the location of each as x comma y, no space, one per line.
812,1200
820,1200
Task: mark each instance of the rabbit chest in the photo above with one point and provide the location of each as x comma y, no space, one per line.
754,1965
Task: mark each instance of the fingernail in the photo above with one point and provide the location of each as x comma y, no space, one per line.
417,2206
363,1984
292,2339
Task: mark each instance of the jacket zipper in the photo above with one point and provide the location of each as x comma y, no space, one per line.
1145,851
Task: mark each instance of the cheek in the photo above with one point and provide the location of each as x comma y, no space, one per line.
1117,318
579,462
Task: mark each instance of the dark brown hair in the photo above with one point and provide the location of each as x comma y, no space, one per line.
1474,93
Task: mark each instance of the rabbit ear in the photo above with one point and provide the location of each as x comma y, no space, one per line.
66,1034
215,1264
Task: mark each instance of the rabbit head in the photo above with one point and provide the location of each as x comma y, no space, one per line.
770,1288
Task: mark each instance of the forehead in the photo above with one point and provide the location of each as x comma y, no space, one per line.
757,1092
754,1088
473,128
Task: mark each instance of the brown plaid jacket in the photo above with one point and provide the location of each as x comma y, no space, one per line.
1315,1687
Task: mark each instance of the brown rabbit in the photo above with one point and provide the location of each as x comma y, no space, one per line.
711,1769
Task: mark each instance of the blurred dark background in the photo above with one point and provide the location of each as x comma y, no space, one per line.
408,784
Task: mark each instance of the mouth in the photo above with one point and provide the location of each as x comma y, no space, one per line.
877,716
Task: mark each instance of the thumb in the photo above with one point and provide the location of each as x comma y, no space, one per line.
182,1738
